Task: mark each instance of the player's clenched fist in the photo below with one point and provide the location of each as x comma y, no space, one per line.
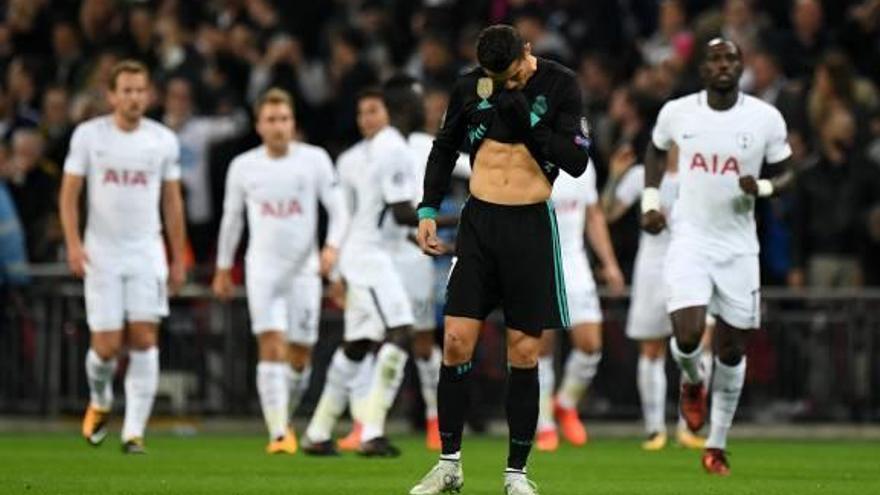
749,185
653,221
222,285
427,238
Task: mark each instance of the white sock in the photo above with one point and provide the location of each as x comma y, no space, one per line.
387,375
333,398
579,372
274,391
298,383
689,363
727,385
141,381
652,391
100,375
707,359
546,381
360,387
429,378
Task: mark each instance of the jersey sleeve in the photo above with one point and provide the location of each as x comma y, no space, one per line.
171,165
77,161
777,148
630,187
332,197
398,178
663,135
232,224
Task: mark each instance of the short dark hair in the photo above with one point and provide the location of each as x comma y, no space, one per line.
402,95
369,93
498,46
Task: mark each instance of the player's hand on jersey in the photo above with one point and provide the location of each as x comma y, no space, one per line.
614,279
749,185
337,292
77,259
329,256
427,238
653,222
176,276
222,285
513,107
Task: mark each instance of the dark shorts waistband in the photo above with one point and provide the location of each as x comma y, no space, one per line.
479,203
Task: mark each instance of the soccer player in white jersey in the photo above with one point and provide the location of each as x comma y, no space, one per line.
415,269
647,321
378,177
279,185
577,210
130,164
723,138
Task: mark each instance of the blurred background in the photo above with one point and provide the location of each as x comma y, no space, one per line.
817,61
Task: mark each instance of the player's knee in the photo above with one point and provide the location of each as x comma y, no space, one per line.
299,356
142,339
357,349
730,355
106,350
523,353
456,349
653,349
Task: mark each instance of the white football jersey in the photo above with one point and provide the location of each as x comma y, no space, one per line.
571,196
124,173
280,196
715,150
375,173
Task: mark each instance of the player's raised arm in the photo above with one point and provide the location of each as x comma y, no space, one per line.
231,227
563,142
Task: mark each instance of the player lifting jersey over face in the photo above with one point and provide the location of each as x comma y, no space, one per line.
521,117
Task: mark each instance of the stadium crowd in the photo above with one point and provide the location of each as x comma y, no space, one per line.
818,62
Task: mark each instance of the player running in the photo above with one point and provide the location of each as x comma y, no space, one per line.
378,176
723,137
414,268
279,185
522,116
647,321
130,164
577,210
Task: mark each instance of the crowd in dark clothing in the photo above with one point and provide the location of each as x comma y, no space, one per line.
818,62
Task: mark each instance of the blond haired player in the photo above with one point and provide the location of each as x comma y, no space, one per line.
279,185
130,164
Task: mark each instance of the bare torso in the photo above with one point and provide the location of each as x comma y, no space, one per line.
507,174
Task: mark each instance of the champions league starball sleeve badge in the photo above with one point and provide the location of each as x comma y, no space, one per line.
485,86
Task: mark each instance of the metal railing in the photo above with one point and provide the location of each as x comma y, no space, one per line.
814,359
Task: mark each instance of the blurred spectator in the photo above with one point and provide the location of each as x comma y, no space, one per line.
836,85
436,101
68,62
800,47
55,123
196,135
531,23
34,182
13,258
672,42
831,199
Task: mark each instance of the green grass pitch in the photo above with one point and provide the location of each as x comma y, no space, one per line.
236,464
